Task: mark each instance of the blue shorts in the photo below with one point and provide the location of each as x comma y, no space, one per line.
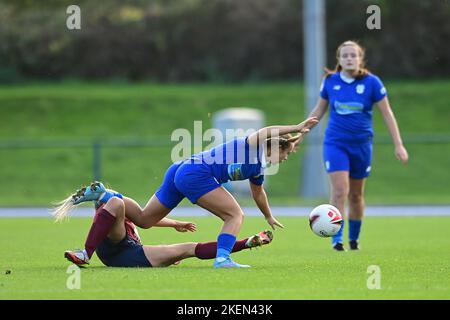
168,194
186,179
126,254
354,158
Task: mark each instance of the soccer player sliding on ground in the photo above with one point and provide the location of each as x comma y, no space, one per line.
117,243
200,179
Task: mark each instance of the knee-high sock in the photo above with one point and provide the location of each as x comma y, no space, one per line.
338,237
225,243
354,227
208,250
103,222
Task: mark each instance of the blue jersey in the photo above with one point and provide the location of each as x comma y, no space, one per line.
350,103
234,160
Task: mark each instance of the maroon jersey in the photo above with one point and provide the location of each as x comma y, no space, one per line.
132,231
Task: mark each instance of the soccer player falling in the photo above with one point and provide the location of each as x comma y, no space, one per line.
117,243
200,179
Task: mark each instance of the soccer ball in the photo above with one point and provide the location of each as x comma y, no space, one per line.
325,220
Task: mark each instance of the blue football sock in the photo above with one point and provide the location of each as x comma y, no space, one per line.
354,227
225,243
338,237
108,195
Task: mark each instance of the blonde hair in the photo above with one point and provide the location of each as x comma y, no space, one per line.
362,71
63,208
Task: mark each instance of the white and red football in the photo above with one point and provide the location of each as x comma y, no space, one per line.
325,220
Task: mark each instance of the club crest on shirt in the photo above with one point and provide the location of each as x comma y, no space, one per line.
360,88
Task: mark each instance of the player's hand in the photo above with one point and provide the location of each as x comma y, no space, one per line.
182,226
299,140
401,154
273,222
305,126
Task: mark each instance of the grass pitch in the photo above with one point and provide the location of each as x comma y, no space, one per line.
411,252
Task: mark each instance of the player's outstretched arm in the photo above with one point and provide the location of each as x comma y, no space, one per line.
260,197
261,135
180,226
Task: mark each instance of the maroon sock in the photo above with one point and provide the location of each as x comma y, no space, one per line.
103,222
208,250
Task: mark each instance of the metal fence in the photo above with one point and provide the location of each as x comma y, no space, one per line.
97,146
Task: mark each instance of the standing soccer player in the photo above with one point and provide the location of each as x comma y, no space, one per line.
351,90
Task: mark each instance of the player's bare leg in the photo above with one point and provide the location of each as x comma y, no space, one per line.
145,218
116,207
221,203
166,255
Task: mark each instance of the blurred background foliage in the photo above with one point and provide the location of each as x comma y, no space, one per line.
212,40
139,69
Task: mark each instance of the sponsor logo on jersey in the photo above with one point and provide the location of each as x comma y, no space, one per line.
337,87
344,108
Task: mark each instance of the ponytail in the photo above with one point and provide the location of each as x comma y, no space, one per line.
63,208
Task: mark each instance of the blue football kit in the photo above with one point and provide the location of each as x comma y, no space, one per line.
208,170
348,137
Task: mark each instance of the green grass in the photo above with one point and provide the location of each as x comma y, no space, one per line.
412,253
89,111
